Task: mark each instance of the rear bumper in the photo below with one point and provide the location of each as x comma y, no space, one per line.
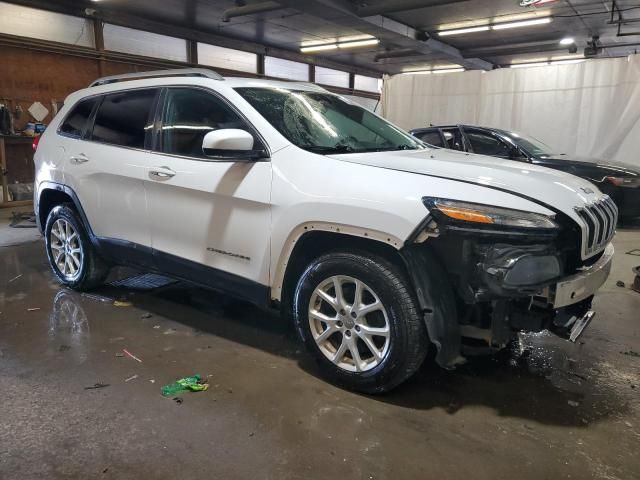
575,288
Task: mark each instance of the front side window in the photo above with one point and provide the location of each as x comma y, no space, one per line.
485,144
76,122
324,123
124,118
453,139
189,115
431,137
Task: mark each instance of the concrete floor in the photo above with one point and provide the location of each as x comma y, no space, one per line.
15,236
563,411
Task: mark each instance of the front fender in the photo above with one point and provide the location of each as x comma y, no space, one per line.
320,226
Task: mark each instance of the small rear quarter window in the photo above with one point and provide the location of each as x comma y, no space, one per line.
76,122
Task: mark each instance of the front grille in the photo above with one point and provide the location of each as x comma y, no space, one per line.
598,224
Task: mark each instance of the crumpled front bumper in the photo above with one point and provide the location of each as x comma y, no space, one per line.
577,287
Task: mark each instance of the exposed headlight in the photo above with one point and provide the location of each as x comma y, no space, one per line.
631,182
487,215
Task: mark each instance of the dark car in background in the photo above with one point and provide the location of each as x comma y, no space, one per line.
620,182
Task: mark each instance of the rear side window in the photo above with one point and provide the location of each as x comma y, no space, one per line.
486,144
76,122
432,138
189,115
124,118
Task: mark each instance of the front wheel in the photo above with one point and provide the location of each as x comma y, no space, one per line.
71,255
357,315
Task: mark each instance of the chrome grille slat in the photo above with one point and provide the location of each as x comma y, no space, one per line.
613,212
611,216
598,223
596,227
597,210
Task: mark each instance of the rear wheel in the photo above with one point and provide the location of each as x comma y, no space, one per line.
358,317
72,257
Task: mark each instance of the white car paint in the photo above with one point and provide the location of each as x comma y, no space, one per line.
213,205
258,210
110,181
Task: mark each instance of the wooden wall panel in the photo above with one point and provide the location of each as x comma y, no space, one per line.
27,76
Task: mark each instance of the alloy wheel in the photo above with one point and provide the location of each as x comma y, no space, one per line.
349,323
66,249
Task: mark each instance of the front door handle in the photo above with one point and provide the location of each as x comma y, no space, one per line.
78,159
162,173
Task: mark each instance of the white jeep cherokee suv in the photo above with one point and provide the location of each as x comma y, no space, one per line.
288,196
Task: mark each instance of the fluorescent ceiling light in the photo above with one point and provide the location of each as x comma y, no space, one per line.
309,48
318,48
530,60
524,65
359,43
353,38
547,59
458,31
567,41
553,61
567,62
496,26
568,57
449,70
429,72
523,23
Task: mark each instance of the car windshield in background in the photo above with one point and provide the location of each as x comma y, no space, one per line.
531,145
324,123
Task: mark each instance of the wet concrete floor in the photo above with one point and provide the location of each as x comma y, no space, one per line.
559,411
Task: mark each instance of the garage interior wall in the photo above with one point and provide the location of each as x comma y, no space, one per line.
588,109
67,58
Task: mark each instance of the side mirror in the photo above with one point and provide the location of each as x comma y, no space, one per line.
230,144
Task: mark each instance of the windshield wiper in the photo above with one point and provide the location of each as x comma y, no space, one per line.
334,149
390,149
349,149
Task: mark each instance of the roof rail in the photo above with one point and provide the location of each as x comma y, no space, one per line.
178,72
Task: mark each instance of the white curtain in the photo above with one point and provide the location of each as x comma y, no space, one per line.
589,109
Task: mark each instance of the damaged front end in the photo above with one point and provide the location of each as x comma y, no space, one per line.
508,272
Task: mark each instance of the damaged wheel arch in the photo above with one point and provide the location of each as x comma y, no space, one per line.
436,298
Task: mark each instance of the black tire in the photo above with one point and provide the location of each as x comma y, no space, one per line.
92,269
408,340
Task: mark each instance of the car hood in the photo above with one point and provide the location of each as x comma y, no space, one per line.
553,188
592,168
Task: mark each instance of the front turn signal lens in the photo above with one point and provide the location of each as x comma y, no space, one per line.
465,214
480,214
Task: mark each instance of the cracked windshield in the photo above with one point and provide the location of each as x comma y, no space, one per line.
324,123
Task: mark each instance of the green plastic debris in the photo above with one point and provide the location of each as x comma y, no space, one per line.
194,384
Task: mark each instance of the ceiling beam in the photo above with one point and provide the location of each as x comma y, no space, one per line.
397,53
390,32
516,49
387,6
114,16
385,29
250,9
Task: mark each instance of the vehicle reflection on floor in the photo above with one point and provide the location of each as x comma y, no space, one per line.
68,319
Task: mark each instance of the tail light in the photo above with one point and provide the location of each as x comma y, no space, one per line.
36,141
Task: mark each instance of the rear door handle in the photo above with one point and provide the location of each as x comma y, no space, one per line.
78,159
162,173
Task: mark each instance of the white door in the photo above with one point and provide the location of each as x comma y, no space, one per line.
210,220
108,169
